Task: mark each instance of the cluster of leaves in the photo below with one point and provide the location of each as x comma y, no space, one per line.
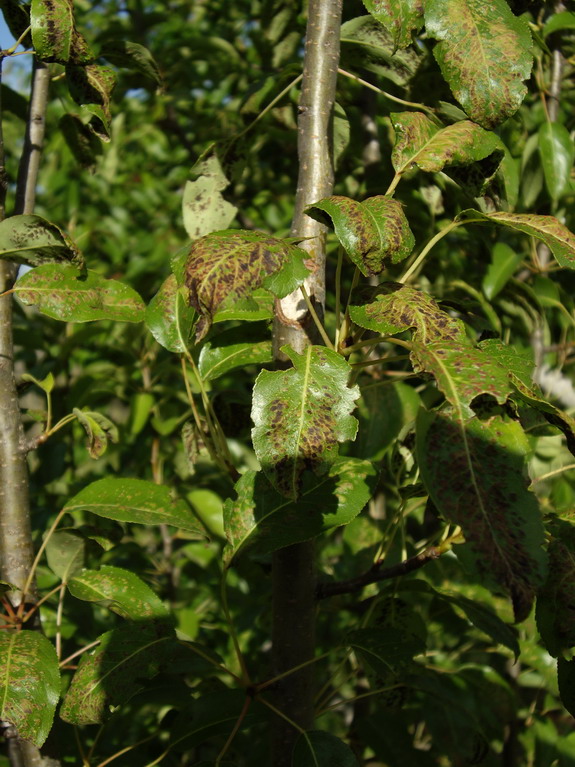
433,463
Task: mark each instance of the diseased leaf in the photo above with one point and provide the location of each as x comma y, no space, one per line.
203,207
504,263
65,293
400,17
30,683
555,611
473,471
52,23
81,141
258,306
317,748
119,590
113,672
484,53
373,233
234,348
552,414
123,53
169,318
226,266
557,154
514,359
100,431
301,415
91,86
66,552
422,142
264,521
134,500
32,240
399,307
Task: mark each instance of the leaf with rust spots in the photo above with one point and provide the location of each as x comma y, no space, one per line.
224,267
400,17
52,23
301,415
129,55
552,232
484,53
474,473
67,294
33,241
169,318
262,520
514,359
91,86
422,142
373,233
552,414
204,208
398,307
100,431
30,683
555,611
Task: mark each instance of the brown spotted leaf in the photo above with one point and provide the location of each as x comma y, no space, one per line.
373,233
556,600
400,17
91,86
224,267
484,53
34,241
398,307
552,414
301,415
462,372
422,142
548,229
474,472
52,23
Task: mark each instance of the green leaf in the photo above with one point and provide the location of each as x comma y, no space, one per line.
504,263
53,29
46,384
119,590
263,519
66,553
387,648
65,293
123,53
81,141
555,616
399,307
316,748
514,359
384,413
134,500
559,21
557,154
484,53
91,86
373,233
32,240
100,431
400,17
258,306
17,18
423,143
226,266
204,208
169,318
473,471
30,686
487,621
301,414
546,228
113,672
234,348
566,680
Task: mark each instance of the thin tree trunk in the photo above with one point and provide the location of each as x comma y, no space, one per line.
294,606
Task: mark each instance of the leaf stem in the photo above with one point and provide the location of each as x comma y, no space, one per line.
318,324
245,679
271,105
553,473
338,270
391,97
206,657
394,182
434,240
82,650
275,679
13,49
281,715
233,733
126,750
43,545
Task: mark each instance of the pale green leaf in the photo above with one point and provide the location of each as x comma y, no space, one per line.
504,263
33,241
66,552
557,154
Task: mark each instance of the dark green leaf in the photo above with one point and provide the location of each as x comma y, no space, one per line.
514,359
487,621
400,17
557,153
504,263
558,21
169,318
484,53
17,18
65,293
226,266
134,500
34,241
30,686
100,431
387,648
301,415
384,413
81,141
53,30
316,748
373,233
552,414
566,679
234,348
123,53
555,615
66,552
91,86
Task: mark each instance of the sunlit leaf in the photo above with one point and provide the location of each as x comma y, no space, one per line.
373,233
558,21
301,415
226,266
32,240
557,153
504,263
52,24
399,307
100,431
169,318
234,348
473,471
317,748
30,683
513,358
484,53
119,590
204,208
46,384
264,520
134,500
400,17
66,552
65,293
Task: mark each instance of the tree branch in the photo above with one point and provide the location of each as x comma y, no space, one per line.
32,152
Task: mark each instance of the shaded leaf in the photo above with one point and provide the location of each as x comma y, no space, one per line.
134,500
552,414
504,263
100,431
399,307
373,232
113,672
17,18
566,680
484,53
487,621
555,611
557,154
234,348
32,240
65,293
119,590
52,23
66,552
91,86
30,683
473,471
316,748
422,142
263,519
123,53
301,415
81,141
169,318
386,649
226,266
400,17
384,413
